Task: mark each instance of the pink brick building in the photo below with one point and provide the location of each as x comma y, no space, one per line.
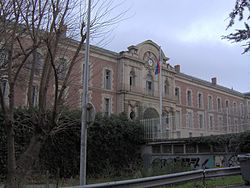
126,82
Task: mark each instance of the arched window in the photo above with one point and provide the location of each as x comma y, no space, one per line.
200,100
39,61
189,97
132,78
210,102
227,103
149,85
166,87
218,104
107,79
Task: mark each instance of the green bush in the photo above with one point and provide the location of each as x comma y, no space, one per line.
113,145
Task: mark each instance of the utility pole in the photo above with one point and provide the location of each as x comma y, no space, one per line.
161,63
84,126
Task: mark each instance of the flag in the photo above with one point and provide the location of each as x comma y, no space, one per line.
158,67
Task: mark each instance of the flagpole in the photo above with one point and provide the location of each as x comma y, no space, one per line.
161,129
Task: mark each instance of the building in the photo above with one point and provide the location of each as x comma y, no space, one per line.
126,82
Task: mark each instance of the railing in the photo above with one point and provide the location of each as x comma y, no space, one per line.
169,179
197,123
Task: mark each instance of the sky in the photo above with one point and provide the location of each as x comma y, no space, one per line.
189,32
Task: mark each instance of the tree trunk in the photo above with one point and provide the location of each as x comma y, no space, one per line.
11,154
31,78
28,158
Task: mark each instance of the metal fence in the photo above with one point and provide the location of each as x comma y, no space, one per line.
169,179
198,122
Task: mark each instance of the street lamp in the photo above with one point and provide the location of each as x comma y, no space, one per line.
83,154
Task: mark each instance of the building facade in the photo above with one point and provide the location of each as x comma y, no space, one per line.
126,82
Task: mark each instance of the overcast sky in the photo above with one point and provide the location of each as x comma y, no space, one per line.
189,32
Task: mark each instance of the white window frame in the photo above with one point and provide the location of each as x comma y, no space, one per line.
203,120
178,120
219,104
200,102
209,121
190,119
210,103
108,82
178,97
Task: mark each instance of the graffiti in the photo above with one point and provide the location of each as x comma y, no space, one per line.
193,162
197,161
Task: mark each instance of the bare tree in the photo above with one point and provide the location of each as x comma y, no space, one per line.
242,7
28,27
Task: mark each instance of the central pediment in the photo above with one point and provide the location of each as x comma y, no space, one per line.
148,50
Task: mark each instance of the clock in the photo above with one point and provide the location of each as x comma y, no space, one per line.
150,62
149,58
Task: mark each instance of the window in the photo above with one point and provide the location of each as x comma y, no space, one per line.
189,119
189,98
235,108
177,93
241,109
34,96
132,79
210,102
62,68
200,100
220,122
218,104
235,125
201,120
178,119
211,121
38,63
166,116
149,85
178,134
166,87
227,103
107,110
107,79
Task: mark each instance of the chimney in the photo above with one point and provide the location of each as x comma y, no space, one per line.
177,68
214,80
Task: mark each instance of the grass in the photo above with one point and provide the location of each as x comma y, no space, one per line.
224,181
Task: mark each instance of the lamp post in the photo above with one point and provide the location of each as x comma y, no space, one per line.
83,154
